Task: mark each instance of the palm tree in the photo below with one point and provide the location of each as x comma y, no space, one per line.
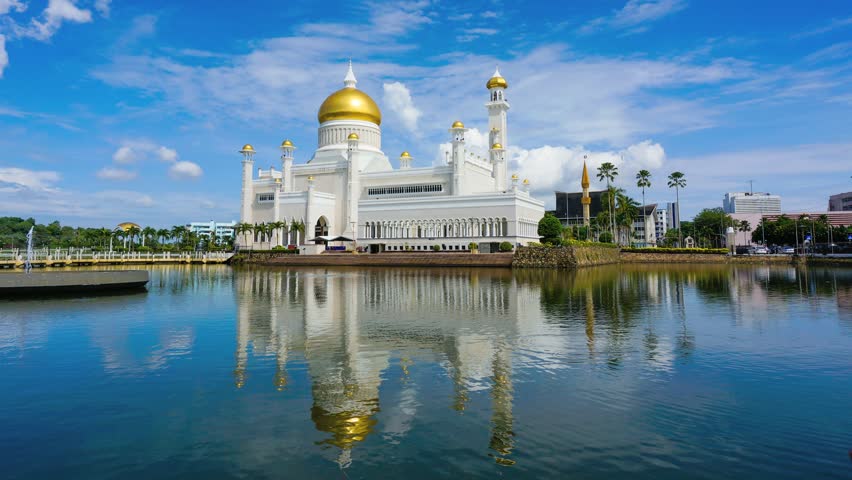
744,226
243,228
117,234
259,229
276,228
133,232
177,234
298,226
163,235
643,181
607,171
148,233
678,181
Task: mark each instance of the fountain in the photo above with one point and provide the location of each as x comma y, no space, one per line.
48,283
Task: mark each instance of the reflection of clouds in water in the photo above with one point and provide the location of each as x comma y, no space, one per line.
18,334
118,349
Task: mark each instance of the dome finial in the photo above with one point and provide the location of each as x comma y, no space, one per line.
349,80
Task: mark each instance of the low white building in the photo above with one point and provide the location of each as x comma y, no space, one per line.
644,226
751,202
349,188
221,229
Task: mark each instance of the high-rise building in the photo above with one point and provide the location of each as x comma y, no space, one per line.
842,202
661,223
751,202
672,215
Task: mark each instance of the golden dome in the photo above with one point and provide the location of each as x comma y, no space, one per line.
405,155
277,179
311,178
353,136
458,124
349,103
526,181
514,176
496,81
126,226
496,146
247,148
287,143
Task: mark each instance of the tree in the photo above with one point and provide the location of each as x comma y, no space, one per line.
148,233
744,226
607,171
643,181
549,229
277,227
677,181
163,235
298,226
178,232
710,225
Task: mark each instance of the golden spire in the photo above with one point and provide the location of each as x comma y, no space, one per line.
585,181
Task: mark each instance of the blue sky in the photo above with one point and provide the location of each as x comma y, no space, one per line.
116,110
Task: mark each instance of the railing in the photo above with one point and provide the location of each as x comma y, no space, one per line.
42,255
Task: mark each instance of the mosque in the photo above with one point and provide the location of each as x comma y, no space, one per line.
349,188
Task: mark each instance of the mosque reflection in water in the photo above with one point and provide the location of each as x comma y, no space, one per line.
351,326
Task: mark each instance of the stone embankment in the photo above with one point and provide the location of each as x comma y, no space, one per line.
426,259
649,257
564,257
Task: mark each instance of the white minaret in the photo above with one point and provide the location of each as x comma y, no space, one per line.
248,191
457,130
498,166
353,187
405,160
497,109
287,149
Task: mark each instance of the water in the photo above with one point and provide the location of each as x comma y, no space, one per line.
618,372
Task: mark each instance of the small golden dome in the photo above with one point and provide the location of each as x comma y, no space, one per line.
287,143
526,181
247,148
311,178
353,136
277,179
514,176
349,103
405,155
126,226
496,146
458,124
496,81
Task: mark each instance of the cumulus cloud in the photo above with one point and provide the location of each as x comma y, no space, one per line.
111,173
103,7
15,179
471,34
125,155
4,57
398,99
185,170
167,154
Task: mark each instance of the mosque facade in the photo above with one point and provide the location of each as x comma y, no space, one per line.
350,188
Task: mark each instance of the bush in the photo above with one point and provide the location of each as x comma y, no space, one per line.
666,250
605,237
549,229
278,248
584,243
505,247
143,249
473,246
535,245
436,248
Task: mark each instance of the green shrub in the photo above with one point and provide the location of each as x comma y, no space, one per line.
473,246
605,237
143,249
584,243
278,248
667,250
436,248
534,245
549,229
505,247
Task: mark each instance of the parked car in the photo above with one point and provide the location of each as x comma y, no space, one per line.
788,250
759,250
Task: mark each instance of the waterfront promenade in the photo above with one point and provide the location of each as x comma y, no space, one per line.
15,258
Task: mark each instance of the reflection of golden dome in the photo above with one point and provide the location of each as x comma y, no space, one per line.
496,146
126,226
458,124
247,148
346,428
287,143
349,103
405,155
353,136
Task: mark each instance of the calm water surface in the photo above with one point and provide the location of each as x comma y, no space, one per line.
618,372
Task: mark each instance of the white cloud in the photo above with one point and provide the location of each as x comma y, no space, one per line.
125,155
471,34
184,169
125,197
13,179
111,173
4,57
56,13
103,7
398,99
635,16
167,154
834,24
7,6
